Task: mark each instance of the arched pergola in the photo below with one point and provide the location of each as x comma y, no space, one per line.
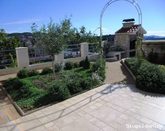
132,2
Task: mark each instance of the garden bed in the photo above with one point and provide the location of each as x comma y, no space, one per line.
149,77
31,90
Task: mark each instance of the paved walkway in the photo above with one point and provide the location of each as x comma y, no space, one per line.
7,110
115,73
5,77
107,108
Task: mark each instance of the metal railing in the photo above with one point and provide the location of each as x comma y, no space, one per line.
72,51
38,55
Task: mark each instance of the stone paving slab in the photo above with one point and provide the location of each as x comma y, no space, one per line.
121,108
5,77
7,110
115,73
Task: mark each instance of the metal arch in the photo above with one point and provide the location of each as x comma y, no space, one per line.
133,2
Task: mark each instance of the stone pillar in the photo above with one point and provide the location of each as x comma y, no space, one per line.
22,57
59,58
119,56
84,49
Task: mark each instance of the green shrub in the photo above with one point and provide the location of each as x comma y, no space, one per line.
46,71
95,66
132,63
99,68
74,86
29,103
78,81
81,63
33,73
40,90
59,91
95,82
75,65
86,64
29,89
68,66
23,73
13,84
149,78
162,68
73,82
152,56
58,67
86,83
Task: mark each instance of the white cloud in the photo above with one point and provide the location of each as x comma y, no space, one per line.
19,22
156,32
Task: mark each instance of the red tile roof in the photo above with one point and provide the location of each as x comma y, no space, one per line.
128,29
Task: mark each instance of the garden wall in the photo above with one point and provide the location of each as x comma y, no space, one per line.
23,59
156,49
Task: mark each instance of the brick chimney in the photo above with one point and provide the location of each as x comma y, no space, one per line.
128,23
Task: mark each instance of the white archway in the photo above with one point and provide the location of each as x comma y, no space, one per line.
133,2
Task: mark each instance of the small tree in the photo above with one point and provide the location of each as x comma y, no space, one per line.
139,50
52,37
8,43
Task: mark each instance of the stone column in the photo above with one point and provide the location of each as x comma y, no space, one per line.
22,57
59,58
84,49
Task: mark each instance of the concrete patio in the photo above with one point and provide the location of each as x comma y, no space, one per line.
107,108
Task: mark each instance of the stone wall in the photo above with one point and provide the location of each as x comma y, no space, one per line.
123,40
157,47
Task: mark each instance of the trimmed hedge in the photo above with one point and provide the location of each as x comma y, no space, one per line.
74,81
33,73
13,84
134,64
59,91
23,73
149,77
85,63
46,71
68,66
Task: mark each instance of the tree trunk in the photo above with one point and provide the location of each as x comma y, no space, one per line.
53,65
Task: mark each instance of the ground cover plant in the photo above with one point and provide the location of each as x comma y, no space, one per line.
31,89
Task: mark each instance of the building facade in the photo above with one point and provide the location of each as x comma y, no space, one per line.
126,36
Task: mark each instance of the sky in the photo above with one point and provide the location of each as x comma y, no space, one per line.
18,15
